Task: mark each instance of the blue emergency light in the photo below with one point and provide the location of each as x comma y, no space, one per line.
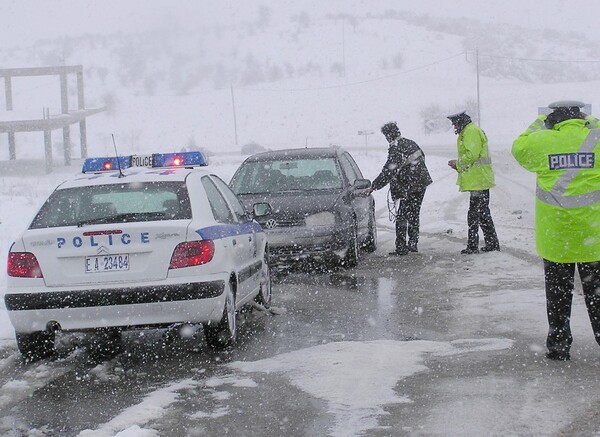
95,165
183,159
156,160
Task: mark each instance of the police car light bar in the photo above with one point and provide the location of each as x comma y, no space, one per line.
156,160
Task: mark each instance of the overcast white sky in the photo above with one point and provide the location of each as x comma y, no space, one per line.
24,21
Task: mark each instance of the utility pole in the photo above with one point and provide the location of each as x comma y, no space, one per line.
234,117
343,47
366,133
478,101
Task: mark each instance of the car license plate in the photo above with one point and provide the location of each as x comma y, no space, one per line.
141,160
107,263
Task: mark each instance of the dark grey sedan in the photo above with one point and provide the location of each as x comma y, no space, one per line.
320,203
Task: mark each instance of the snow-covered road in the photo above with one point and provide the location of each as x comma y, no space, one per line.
435,343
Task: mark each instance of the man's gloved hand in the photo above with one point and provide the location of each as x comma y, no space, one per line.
452,164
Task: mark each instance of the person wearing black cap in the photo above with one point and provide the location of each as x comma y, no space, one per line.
475,175
407,174
566,158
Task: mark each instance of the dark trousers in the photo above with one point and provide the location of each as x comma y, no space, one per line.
480,216
407,220
560,280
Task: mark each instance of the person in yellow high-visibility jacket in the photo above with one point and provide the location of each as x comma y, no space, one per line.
475,175
566,158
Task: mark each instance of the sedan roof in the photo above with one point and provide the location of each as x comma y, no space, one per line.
316,152
135,174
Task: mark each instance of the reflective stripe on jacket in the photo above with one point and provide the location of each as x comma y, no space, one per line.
538,124
474,164
592,122
566,161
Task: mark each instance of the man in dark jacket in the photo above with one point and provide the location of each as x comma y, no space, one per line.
407,174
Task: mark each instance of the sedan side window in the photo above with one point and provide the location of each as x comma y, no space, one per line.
348,169
220,209
354,165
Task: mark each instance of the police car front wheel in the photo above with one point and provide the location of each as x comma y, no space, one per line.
265,294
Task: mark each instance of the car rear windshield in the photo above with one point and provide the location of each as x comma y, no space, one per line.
114,203
286,175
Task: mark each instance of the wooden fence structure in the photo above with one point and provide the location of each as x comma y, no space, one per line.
49,122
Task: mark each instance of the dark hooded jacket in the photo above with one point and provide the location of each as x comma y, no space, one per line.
404,170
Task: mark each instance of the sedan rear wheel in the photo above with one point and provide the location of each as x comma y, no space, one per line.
223,334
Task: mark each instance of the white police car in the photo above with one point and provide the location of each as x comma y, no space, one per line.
124,245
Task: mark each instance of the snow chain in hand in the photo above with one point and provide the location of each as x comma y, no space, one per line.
392,206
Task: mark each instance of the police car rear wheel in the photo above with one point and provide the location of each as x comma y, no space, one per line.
36,345
107,343
223,334
265,295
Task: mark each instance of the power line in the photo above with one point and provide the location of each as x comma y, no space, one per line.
380,78
421,67
565,61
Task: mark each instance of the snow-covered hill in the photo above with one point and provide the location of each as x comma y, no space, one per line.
301,73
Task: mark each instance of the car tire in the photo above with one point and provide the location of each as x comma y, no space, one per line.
36,345
107,343
222,335
265,294
371,241
351,258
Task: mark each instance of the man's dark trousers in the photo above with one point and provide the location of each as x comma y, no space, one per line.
407,221
560,280
479,215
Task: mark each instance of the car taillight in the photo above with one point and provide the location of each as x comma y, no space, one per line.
23,265
192,253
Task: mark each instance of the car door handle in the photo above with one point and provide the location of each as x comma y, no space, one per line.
234,242
250,238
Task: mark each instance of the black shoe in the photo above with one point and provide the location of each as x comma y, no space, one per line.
469,251
399,252
490,248
558,356
412,249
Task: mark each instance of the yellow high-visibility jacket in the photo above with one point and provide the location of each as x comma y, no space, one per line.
474,164
566,160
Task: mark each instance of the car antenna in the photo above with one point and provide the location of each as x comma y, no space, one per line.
117,155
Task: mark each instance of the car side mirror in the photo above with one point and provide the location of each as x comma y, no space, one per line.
362,184
361,187
261,209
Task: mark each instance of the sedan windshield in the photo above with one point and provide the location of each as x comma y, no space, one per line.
114,204
286,175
